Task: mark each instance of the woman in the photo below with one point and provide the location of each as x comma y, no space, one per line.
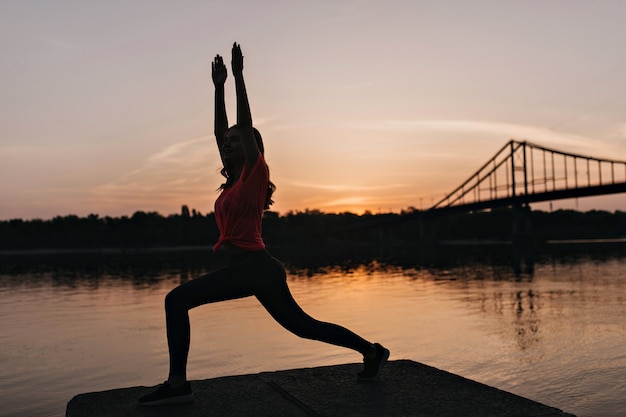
249,269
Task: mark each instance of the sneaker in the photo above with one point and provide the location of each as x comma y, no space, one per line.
373,366
165,394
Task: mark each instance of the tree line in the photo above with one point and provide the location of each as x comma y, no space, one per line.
192,228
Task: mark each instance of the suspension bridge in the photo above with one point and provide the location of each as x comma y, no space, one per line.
522,172
518,174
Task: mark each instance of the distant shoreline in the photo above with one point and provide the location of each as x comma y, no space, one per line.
583,241
104,251
496,242
209,248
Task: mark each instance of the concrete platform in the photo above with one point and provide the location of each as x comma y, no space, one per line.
406,389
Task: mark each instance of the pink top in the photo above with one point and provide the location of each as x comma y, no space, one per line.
239,208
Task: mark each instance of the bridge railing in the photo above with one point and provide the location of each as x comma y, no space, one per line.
566,170
521,168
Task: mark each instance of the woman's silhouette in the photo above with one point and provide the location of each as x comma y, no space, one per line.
248,268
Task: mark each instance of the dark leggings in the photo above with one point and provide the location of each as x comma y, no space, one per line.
252,273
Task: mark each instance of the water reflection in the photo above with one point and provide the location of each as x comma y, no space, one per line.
139,265
98,320
90,270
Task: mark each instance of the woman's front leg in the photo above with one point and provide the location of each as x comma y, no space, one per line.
218,285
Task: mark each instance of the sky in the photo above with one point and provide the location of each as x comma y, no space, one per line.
106,107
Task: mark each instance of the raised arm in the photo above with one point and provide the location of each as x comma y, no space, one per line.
244,117
219,74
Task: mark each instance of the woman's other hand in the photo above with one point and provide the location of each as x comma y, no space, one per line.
218,71
237,60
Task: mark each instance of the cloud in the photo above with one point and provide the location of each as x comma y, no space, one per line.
566,142
620,131
344,187
180,173
62,44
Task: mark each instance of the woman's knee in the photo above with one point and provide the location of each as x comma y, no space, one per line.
277,269
291,316
307,329
174,300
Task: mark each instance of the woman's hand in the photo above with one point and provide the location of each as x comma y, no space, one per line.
237,60
218,71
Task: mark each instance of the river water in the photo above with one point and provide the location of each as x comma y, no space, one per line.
556,335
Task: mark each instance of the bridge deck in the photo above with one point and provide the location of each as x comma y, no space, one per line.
523,172
530,198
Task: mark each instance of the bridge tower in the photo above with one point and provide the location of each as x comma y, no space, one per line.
521,173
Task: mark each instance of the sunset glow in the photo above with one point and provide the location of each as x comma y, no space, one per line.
107,107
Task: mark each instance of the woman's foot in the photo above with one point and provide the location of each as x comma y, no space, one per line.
167,394
373,363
